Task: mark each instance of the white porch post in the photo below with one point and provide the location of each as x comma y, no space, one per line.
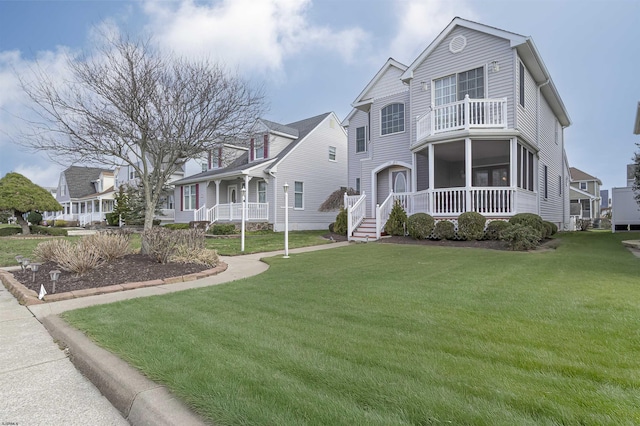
217,182
432,175
467,171
513,174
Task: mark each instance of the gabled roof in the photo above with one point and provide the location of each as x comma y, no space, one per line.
578,175
80,180
390,63
526,50
274,127
241,164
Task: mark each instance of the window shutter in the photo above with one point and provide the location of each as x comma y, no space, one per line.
209,162
182,198
266,146
220,157
197,196
251,150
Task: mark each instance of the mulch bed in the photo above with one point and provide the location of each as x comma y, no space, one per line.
130,268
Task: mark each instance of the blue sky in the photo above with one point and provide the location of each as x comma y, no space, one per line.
316,56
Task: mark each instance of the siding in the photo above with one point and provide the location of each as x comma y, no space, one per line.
527,116
359,119
309,163
388,84
480,50
550,154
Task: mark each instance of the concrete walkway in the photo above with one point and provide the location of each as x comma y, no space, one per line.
40,386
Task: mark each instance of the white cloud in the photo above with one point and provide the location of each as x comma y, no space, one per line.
45,174
420,22
258,35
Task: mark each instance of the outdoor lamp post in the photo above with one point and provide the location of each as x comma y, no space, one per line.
19,259
25,262
286,220
244,193
55,274
34,269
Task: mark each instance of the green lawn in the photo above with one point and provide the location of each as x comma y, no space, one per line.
254,243
264,242
395,334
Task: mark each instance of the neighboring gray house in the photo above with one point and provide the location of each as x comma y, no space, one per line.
625,211
584,195
86,194
475,123
309,155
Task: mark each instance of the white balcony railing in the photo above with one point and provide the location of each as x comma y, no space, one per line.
489,201
463,115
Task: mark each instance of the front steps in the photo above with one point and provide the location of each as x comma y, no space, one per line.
365,232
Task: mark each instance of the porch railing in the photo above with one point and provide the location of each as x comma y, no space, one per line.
200,215
490,201
465,114
350,200
355,213
382,213
85,219
233,211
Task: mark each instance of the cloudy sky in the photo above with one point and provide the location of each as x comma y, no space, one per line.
315,56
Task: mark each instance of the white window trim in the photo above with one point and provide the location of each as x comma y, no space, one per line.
258,190
366,132
335,154
294,196
187,206
485,68
404,119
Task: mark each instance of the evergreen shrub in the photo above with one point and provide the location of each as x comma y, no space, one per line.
420,226
471,226
444,230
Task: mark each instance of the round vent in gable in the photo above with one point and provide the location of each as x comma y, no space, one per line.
457,44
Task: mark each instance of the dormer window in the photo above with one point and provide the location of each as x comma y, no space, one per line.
259,149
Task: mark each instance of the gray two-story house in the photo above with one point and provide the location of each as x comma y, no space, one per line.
309,156
584,195
474,123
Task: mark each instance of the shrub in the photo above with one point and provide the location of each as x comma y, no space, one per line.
10,230
59,223
331,225
5,215
420,226
494,228
34,218
222,229
341,224
79,258
554,228
397,222
471,226
521,237
175,226
529,219
110,245
199,256
47,251
43,230
547,229
163,243
113,219
444,230
583,224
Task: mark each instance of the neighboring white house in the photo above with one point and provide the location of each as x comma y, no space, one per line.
584,195
309,155
625,211
475,123
86,194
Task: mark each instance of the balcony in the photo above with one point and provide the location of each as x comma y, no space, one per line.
463,115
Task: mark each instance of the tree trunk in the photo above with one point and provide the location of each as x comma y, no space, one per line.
23,223
148,224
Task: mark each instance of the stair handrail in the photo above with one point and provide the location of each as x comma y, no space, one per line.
382,213
200,214
355,215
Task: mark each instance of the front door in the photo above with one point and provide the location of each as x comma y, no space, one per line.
399,181
232,193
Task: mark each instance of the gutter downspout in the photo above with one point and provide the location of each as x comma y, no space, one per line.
275,200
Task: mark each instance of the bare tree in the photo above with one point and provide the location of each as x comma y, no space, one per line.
636,175
130,103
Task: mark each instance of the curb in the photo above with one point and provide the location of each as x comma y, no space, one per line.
29,297
139,400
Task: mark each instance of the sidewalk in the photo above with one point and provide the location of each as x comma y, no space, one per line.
39,384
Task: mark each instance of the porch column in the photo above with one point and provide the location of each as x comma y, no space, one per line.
467,172
431,168
217,182
513,174
414,174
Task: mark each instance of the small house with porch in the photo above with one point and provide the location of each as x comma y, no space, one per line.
309,156
474,123
86,194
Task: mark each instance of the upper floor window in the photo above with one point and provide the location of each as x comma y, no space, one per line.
361,144
332,153
455,87
392,119
259,152
204,167
583,186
